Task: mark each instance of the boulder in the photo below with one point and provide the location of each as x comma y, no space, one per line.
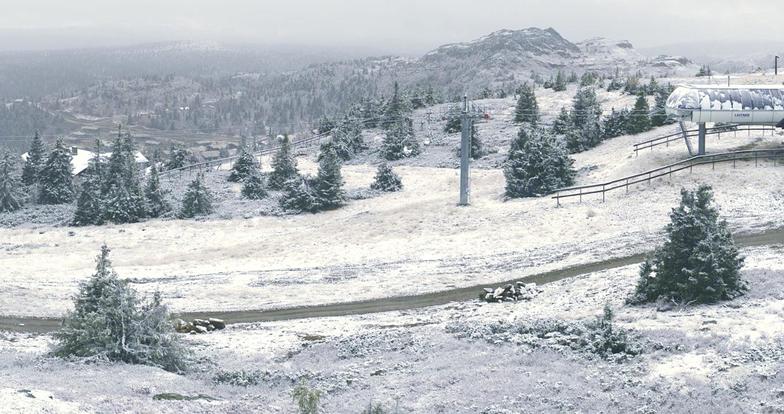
217,323
200,329
181,326
201,322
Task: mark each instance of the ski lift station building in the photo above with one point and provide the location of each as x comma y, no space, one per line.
747,104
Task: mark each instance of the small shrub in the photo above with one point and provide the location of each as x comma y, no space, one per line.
386,180
110,321
238,378
307,399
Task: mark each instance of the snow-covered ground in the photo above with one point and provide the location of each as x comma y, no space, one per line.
409,242
722,358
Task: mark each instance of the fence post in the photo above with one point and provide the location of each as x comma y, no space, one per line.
602,193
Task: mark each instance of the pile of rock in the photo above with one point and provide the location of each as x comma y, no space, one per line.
510,292
199,326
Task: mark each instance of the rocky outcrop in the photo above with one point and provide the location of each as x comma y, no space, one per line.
510,292
199,326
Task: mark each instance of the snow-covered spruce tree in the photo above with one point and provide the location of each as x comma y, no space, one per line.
110,321
253,187
10,196
562,123
698,262
615,123
347,138
386,179
197,200
585,107
242,166
177,158
299,196
584,138
90,209
400,141
284,166
328,184
454,120
477,148
122,191
55,179
640,119
538,164
659,116
559,85
34,163
527,109
154,196
586,120
395,110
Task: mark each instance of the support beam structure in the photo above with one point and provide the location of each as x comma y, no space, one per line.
701,139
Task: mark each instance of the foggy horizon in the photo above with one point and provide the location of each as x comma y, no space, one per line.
405,27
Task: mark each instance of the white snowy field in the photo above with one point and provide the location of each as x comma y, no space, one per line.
722,358
414,241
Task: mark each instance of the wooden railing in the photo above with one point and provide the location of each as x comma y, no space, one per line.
602,188
692,133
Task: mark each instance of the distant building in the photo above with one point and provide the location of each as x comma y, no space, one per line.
80,159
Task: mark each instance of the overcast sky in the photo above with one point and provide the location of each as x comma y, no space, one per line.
400,26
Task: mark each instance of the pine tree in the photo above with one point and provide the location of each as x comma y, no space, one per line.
394,112
284,166
253,187
386,179
537,164
639,120
400,142
55,179
34,163
586,119
122,189
585,107
527,109
328,184
155,200
560,82
563,123
299,195
454,120
616,123
197,200
111,321
659,116
698,262
10,196
90,209
242,166
177,158
477,148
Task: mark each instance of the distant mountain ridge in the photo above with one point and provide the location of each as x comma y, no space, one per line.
507,57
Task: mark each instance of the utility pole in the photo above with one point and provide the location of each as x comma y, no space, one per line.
465,154
776,66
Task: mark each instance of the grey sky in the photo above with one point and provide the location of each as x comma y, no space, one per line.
385,25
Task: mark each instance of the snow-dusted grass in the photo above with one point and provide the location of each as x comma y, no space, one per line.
721,358
413,241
